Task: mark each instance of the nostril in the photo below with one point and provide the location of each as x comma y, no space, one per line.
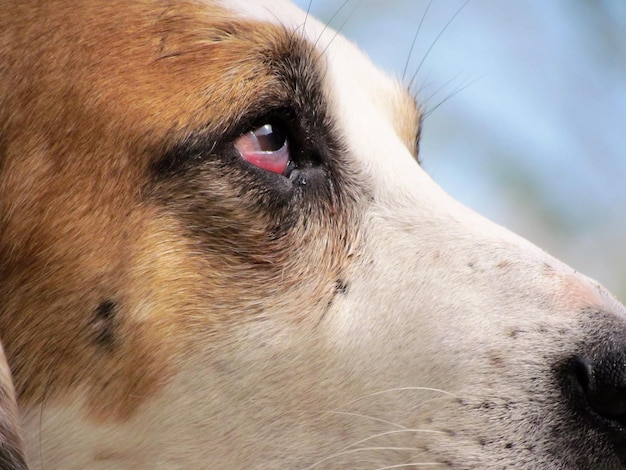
604,384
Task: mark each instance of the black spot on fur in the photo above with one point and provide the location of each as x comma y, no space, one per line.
341,287
104,324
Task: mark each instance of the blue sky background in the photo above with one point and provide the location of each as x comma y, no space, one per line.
534,134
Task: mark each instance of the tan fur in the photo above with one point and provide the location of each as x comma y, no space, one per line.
77,228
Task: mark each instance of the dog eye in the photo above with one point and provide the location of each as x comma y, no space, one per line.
266,147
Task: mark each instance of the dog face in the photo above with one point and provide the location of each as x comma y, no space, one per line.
218,249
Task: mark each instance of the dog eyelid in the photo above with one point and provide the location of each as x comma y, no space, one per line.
266,147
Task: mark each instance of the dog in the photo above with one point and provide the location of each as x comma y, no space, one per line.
218,250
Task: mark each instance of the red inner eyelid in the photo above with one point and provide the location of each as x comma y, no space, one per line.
250,149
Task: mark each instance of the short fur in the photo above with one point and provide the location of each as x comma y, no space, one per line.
166,304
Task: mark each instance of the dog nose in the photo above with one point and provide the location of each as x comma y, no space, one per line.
603,380
594,381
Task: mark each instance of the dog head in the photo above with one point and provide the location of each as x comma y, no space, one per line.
218,248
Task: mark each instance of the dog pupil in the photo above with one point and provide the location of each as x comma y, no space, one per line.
271,137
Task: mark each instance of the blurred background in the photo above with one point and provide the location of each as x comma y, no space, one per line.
525,111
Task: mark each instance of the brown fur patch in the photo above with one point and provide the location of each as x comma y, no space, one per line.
92,94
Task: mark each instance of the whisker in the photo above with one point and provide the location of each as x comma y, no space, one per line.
329,22
411,464
430,48
423,403
372,418
397,431
419,28
340,27
458,90
426,100
375,436
403,389
306,17
360,449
